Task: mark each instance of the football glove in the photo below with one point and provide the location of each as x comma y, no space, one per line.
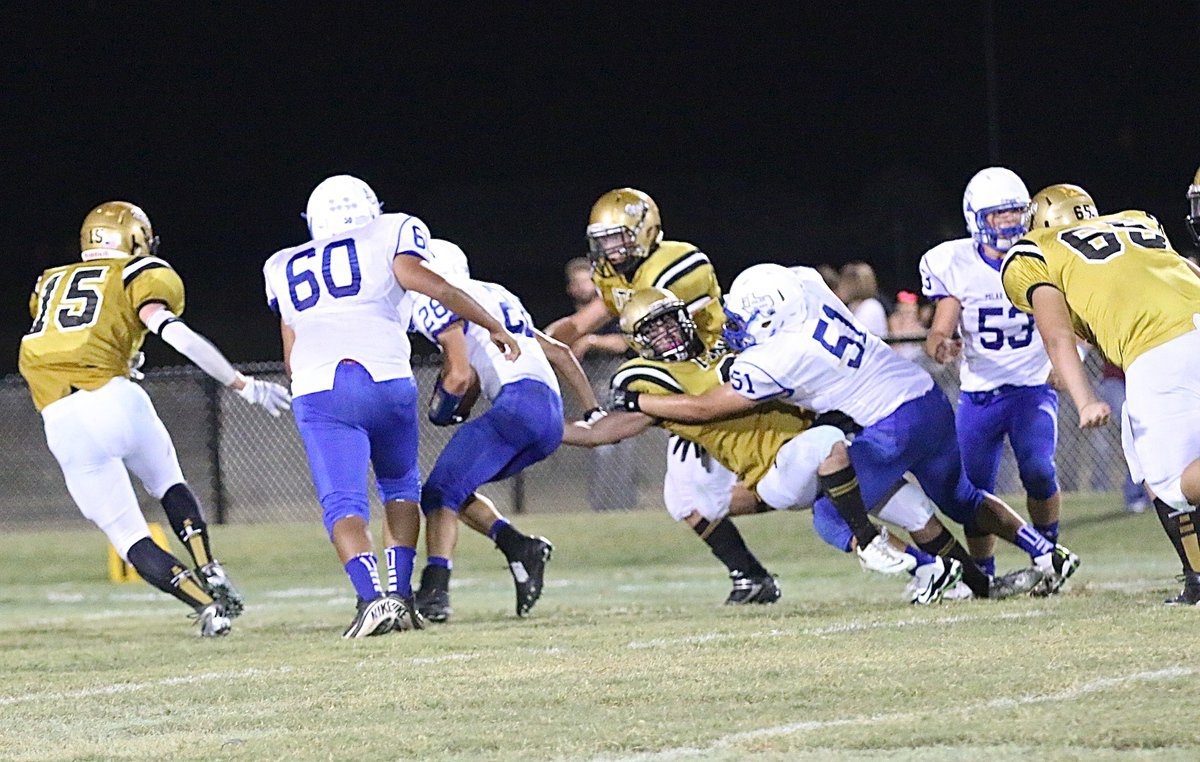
135,366
593,415
626,399
273,397
443,407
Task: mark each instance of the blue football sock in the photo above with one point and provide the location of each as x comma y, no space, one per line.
1049,531
363,570
987,565
1032,542
400,569
921,556
445,563
495,528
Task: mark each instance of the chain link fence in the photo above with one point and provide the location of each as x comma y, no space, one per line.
246,466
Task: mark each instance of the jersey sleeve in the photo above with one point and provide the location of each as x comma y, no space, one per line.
692,278
639,376
1024,269
413,239
148,280
933,282
753,381
430,318
272,299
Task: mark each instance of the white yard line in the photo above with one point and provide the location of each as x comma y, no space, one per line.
837,629
115,688
1099,685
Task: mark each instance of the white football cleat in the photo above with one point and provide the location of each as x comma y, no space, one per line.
880,556
931,581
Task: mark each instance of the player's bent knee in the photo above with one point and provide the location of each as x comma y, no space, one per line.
344,505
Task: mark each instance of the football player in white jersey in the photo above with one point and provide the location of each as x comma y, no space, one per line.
340,299
1003,366
799,344
523,426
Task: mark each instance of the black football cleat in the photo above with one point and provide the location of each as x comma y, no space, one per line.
528,567
1190,595
747,590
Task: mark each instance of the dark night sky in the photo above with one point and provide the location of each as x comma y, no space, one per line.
820,133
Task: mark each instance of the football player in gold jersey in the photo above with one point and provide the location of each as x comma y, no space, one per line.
1115,282
89,321
628,253
775,450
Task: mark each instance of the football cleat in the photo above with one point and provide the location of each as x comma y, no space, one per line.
213,621
217,583
1017,582
1056,567
880,556
747,590
432,600
931,581
1190,595
528,567
408,616
959,591
373,617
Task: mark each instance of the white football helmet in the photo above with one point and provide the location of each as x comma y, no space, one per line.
994,189
759,303
338,204
448,260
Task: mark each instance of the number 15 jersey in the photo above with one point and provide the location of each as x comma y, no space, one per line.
341,298
828,362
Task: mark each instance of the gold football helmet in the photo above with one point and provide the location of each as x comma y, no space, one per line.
116,229
1193,220
656,323
1059,205
623,229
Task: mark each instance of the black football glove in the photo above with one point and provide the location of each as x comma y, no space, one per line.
626,399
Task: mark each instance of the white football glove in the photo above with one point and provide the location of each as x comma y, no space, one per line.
135,366
273,397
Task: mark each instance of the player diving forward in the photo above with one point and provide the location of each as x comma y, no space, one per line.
89,320
799,344
1115,282
523,426
1003,366
773,450
340,298
628,253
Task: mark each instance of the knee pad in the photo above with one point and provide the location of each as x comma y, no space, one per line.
342,505
1040,483
405,488
830,526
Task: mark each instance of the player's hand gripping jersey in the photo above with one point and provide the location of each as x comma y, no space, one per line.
86,325
746,444
340,296
1001,346
1105,267
682,269
430,317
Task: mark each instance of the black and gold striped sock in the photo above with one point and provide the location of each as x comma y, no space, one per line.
1180,527
842,488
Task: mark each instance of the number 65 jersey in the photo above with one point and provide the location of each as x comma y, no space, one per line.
828,361
86,325
1001,346
340,297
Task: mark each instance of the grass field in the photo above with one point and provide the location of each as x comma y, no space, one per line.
629,655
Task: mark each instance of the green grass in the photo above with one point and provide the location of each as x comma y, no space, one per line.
628,655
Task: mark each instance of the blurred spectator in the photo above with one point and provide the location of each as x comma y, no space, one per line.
859,289
1112,390
611,478
905,323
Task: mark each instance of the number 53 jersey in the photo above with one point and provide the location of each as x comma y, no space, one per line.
86,325
828,361
340,297
1127,290
1001,346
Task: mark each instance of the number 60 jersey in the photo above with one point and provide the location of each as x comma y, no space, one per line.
340,297
827,361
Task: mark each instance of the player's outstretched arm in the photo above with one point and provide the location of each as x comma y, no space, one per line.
1053,319
572,328
567,366
171,329
615,427
940,343
414,276
713,405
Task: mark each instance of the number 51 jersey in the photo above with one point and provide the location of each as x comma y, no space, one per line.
86,325
340,297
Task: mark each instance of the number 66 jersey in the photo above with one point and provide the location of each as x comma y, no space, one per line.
340,297
828,361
